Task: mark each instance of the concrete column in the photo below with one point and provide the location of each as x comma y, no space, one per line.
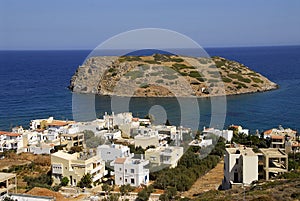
267,168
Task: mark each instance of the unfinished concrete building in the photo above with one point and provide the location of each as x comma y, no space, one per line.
275,162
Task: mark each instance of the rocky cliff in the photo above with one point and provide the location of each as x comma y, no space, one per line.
166,75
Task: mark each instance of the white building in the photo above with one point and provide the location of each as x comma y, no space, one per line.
9,140
145,141
117,119
75,166
113,151
240,129
240,167
109,134
227,134
130,171
201,142
41,148
168,155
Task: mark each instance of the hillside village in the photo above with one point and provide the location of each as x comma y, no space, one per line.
123,157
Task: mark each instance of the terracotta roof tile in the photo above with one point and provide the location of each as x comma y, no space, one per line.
120,160
9,134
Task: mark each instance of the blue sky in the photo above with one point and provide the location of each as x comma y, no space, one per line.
69,24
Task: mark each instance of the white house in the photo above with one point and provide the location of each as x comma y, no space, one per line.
240,167
168,155
227,134
201,142
130,171
113,151
117,119
9,140
109,134
145,141
41,148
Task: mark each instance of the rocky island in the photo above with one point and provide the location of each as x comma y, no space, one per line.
161,75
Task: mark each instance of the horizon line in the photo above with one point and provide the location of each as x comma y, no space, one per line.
204,47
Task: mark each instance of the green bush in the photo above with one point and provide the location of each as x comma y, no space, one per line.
64,181
201,79
144,85
234,76
86,181
226,79
239,85
44,181
144,67
134,74
159,81
194,74
155,73
183,73
161,57
111,70
220,63
256,80
177,60
129,58
169,77
242,79
179,66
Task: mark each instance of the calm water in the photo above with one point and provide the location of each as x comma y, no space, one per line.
34,85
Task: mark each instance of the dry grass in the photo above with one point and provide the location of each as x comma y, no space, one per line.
210,181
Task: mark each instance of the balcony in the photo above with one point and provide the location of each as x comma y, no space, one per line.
96,169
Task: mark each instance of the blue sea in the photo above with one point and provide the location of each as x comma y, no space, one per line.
34,85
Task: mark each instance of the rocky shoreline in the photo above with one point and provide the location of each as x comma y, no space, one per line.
166,76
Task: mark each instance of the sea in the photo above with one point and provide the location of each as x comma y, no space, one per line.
33,85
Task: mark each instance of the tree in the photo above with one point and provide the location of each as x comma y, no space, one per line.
91,140
168,123
125,189
86,181
144,194
169,194
7,198
64,181
106,188
112,197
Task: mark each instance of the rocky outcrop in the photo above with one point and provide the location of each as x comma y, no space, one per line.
166,75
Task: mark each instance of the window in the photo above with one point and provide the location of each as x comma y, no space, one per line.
132,181
126,180
125,170
236,161
120,169
132,170
120,178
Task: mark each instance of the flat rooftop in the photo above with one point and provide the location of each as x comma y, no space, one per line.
5,176
273,152
241,150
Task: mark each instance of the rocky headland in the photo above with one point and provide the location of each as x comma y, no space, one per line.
165,76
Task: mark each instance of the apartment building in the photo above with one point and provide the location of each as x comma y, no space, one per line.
168,155
113,151
75,166
130,171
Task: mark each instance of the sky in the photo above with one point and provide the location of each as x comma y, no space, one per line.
84,24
